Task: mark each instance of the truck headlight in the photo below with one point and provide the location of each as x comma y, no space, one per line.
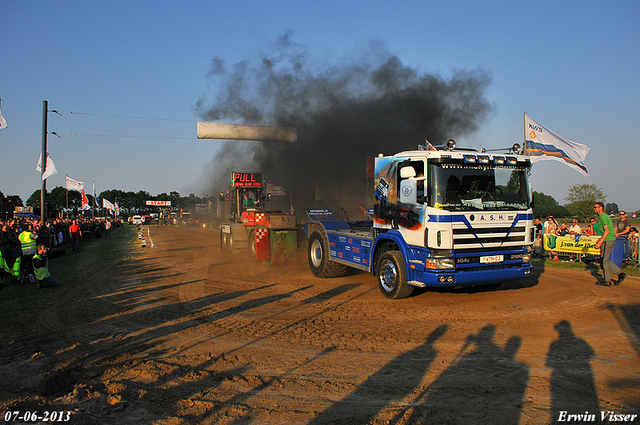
526,258
440,263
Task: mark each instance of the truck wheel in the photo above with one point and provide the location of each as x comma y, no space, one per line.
318,255
224,241
392,276
253,250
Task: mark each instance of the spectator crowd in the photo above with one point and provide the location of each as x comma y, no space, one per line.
622,230
23,239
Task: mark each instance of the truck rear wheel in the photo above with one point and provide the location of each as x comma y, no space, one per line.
392,276
238,239
253,249
224,241
318,255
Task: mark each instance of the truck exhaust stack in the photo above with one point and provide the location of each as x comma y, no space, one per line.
211,130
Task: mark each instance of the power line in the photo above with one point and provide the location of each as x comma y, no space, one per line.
125,136
132,117
131,137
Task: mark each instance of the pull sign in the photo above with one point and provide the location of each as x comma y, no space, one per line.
246,179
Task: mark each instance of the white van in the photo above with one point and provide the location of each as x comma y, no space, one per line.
137,220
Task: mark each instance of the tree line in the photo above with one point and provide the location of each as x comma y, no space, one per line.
59,200
580,197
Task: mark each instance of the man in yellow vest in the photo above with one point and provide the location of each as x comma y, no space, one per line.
28,241
41,269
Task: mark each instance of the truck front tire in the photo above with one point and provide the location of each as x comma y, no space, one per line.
318,255
392,276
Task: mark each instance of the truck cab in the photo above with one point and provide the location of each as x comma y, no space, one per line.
442,217
246,195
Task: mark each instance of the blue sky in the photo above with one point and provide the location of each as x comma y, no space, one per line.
573,66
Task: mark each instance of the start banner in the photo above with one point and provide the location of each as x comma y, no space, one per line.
578,244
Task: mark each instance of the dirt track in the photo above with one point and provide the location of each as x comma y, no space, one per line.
183,333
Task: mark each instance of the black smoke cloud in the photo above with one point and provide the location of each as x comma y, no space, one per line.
370,104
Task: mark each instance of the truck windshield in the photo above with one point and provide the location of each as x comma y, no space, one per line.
456,187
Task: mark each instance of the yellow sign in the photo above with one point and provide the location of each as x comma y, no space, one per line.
578,244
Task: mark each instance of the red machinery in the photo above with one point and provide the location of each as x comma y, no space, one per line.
267,235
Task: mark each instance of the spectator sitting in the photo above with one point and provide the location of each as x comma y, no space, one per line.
575,228
563,231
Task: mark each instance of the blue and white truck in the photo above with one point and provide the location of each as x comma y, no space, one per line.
442,217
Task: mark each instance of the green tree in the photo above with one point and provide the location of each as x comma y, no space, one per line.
581,198
175,200
34,199
58,198
611,208
16,200
546,205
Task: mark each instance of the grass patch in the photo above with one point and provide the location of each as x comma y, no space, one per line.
546,262
20,304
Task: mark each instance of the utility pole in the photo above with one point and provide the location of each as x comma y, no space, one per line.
43,162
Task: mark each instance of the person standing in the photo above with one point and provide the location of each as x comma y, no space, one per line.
606,243
622,231
551,228
538,246
594,227
75,234
28,242
633,239
107,228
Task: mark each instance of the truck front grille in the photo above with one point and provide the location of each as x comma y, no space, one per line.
488,237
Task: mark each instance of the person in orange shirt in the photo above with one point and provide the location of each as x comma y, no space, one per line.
75,233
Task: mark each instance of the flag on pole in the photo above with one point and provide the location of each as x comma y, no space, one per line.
542,143
85,201
95,197
3,123
49,167
74,185
108,205
117,209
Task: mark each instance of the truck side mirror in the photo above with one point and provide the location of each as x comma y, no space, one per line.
407,172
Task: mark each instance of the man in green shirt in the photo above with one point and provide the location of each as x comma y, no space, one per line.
606,243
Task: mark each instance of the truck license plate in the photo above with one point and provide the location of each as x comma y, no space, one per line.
491,259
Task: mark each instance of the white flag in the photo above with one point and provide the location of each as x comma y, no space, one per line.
3,123
108,205
542,143
74,185
49,167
